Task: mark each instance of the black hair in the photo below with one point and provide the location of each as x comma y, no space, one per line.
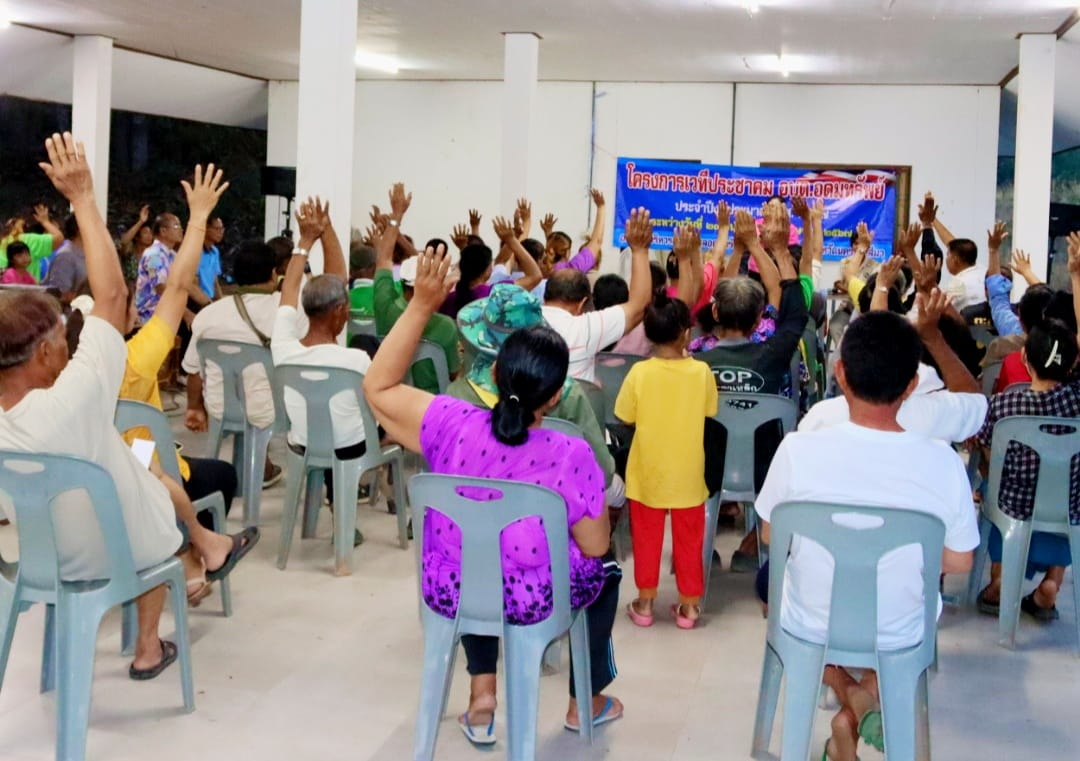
659,275
253,263
559,235
958,336
1032,305
474,240
795,249
881,353
1060,308
534,247
568,286
161,221
964,249
71,227
434,244
672,266
774,197
475,259
282,247
15,248
666,319
530,370
1051,350
866,295
609,290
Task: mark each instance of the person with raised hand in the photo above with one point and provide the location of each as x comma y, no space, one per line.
51,405
40,245
475,268
506,442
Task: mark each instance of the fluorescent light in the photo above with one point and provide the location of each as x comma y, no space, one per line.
377,61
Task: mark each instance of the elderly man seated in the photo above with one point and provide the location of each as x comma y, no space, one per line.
49,404
877,372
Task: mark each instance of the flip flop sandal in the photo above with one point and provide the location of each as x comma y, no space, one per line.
168,656
825,753
640,619
477,734
1038,612
606,716
986,607
872,730
196,594
681,621
242,544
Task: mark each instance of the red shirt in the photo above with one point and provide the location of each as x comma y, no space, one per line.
1012,371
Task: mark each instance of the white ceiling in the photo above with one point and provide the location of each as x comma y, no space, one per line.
831,41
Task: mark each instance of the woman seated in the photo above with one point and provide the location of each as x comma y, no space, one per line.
1049,355
506,442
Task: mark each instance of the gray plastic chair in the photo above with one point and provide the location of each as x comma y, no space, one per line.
562,426
741,415
480,609
249,443
131,414
429,351
989,376
318,385
1051,513
982,334
852,635
595,395
611,370
1018,386
74,610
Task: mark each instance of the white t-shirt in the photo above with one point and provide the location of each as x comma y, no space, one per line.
967,288
586,334
344,408
899,470
221,321
930,411
75,417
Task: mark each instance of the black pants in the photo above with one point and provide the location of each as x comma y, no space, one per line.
482,653
351,452
207,477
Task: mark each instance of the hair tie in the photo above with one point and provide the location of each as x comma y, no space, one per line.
514,397
1055,356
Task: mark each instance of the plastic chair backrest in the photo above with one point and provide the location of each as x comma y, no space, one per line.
480,608
990,375
32,482
1055,451
611,370
318,385
233,357
562,426
853,614
595,395
1018,386
131,414
742,415
429,351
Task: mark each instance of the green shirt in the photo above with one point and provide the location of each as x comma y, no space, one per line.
389,305
573,406
40,245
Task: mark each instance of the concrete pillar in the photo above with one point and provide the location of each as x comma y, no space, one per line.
91,107
1034,149
325,134
281,115
520,68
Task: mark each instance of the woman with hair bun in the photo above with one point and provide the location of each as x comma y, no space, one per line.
506,442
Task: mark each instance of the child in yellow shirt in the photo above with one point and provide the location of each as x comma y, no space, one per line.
667,398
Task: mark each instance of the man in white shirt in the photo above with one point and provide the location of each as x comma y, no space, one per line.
53,406
967,286
896,469
586,333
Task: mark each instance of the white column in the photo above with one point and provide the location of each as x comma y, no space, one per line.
1034,148
324,156
519,97
281,118
91,106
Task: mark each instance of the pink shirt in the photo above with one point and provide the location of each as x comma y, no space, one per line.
13,276
709,279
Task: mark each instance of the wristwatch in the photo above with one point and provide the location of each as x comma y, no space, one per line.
299,251
393,223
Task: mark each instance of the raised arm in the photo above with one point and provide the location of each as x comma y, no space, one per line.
723,232
928,210
202,195
746,233
994,239
333,255
401,408
1021,265
639,236
886,278
1074,271
526,264
310,223
129,235
522,219
70,175
686,240
547,224
954,373
776,230
41,215
596,240
474,221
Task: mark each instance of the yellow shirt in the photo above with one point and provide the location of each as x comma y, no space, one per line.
668,401
147,351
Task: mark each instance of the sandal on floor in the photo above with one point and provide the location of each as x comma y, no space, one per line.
242,544
168,656
872,730
477,734
197,591
681,621
986,607
1038,612
640,619
606,716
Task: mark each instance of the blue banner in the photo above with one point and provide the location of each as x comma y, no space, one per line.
676,192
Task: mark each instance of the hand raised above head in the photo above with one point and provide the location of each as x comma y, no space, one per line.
203,191
746,231
639,230
687,241
434,279
399,200
928,210
67,168
1074,254
597,197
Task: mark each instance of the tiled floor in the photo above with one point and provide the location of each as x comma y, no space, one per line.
313,666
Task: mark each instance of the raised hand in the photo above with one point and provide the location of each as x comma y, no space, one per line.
639,230
144,212
746,231
909,238
399,201
41,213
597,197
800,208
817,210
926,274
503,229
202,193
460,236
996,236
889,271
687,240
928,210
308,221
67,169
547,224
864,238
723,215
321,210
433,279
474,221
1021,262
378,219
777,227
931,306
519,229
524,212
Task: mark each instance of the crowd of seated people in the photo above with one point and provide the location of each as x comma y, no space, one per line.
521,326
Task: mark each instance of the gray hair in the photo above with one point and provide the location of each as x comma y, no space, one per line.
323,293
738,303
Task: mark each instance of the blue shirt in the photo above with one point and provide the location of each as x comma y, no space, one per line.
998,290
209,270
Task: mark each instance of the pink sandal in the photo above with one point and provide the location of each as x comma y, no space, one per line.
684,622
639,619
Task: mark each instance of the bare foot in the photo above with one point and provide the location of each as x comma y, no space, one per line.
148,654
598,703
481,710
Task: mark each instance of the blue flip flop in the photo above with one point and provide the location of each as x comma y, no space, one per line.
477,734
605,716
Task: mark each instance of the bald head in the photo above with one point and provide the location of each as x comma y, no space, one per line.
568,286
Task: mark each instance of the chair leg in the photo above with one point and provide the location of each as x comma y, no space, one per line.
712,516
313,498
294,482
346,480
975,577
899,692
177,590
256,442
523,656
48,651
1074,550
440,642
922,720
401,498
1014,553
214,438
76,638
129,628
802,682
9,616
772,671
582,665
215,504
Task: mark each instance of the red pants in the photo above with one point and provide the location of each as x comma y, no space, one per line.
688,536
